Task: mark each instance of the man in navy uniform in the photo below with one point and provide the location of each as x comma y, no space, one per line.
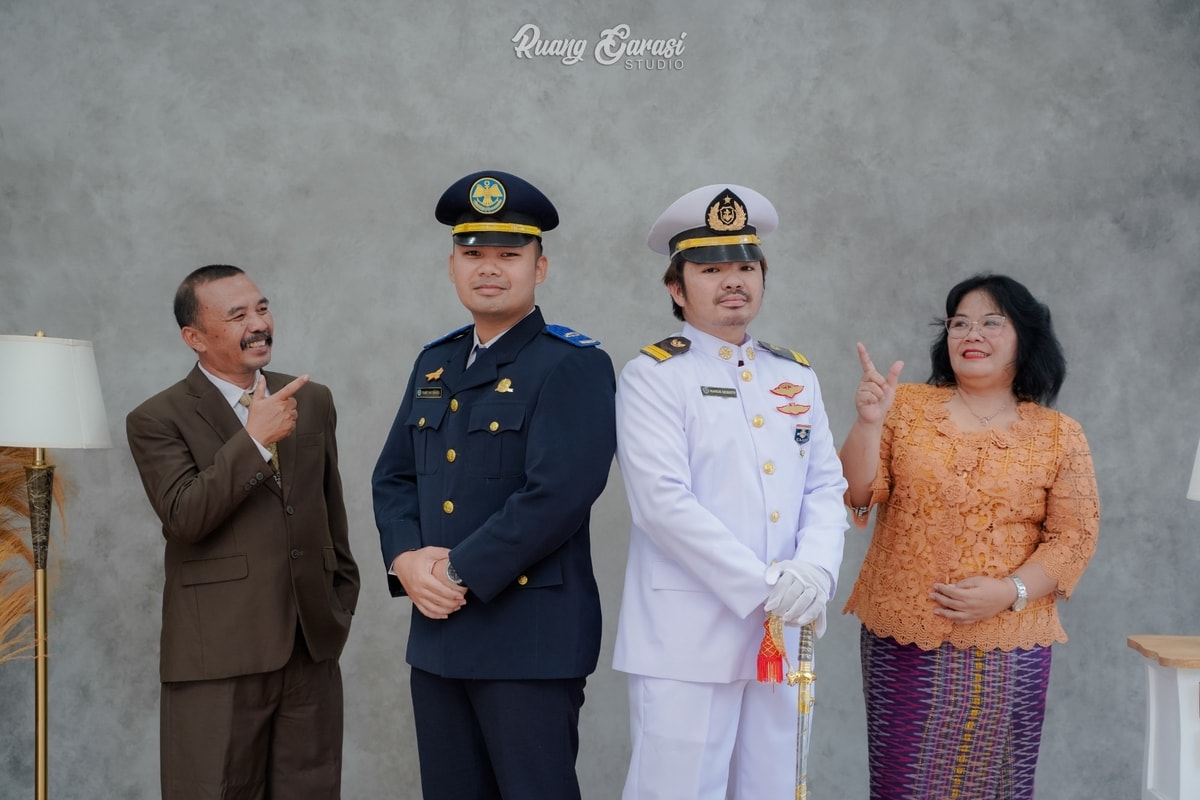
735,491
483,492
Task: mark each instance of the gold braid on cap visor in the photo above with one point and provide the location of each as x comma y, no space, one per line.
713,241
499,227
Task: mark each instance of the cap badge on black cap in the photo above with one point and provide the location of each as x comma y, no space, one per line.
490,208
487,195
726,213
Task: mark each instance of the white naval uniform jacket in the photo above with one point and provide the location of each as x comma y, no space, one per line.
727,468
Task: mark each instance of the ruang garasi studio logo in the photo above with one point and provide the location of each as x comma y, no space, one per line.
615,46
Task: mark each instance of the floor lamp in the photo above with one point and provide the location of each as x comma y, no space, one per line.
49,397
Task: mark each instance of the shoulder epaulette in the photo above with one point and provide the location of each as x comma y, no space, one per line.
784,352
448,337
671,346
574,337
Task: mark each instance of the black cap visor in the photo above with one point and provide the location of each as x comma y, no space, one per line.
722,253
492,239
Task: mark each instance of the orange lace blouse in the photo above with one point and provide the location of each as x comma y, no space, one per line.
954,504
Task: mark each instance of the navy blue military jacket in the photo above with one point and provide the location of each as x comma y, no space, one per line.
501,463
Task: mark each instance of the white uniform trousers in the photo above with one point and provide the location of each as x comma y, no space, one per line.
711,741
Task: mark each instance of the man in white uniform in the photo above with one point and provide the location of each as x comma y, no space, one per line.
735,490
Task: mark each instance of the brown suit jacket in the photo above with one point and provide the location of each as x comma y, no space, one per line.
245,558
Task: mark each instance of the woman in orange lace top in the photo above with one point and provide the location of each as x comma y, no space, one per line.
987,515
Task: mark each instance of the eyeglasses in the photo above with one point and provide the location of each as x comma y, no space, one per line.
990,326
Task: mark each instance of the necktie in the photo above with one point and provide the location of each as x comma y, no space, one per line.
246,399
476,353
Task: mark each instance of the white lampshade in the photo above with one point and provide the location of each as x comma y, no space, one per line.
1194,486
50,394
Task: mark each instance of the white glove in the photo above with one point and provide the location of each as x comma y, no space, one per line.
799,593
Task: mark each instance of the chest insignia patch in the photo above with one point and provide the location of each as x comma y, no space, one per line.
717,391
504,386
802,433
433,376
793,409
787,389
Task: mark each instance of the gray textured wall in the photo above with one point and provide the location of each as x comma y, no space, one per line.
906,146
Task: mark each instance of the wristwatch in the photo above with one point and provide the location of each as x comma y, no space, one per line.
452,574
1022,595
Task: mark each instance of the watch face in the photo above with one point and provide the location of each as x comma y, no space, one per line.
452,574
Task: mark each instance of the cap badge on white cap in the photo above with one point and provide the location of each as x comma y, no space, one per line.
726,213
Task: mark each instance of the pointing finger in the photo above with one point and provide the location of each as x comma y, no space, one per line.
291,388
864,358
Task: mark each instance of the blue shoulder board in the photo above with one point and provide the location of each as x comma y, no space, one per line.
451,335
574,337
784,352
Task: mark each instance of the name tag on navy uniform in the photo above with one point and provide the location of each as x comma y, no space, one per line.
717,391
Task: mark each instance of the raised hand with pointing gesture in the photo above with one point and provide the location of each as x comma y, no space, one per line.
273,417
875,393
860,452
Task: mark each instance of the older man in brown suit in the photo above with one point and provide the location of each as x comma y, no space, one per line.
241,467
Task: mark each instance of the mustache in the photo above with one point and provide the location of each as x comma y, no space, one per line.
735,293
265,337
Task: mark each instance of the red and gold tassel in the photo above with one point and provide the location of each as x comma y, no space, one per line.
771,655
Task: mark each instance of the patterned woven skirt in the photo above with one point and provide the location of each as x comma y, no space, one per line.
952,723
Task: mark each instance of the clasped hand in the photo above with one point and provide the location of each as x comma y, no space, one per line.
972,599
422,573
799,592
